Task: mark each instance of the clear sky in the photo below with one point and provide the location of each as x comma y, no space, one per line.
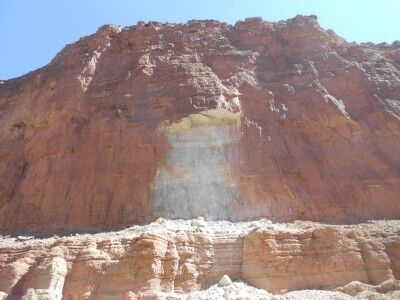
32,32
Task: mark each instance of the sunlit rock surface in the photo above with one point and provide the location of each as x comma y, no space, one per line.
186,259
280,120
203,121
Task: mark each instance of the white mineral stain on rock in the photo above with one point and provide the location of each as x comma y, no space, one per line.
196,178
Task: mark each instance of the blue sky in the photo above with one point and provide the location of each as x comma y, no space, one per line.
32,32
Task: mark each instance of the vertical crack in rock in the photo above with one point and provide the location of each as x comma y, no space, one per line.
18,182
195,179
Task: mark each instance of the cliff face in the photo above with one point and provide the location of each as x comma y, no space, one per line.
171,259
281,120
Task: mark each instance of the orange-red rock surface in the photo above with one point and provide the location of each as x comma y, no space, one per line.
281,120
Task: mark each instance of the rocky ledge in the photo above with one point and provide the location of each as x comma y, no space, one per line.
186,259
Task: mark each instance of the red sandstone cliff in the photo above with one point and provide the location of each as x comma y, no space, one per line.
283,120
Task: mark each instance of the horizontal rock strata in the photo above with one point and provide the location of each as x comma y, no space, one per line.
179,257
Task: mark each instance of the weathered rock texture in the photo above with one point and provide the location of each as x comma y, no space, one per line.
322,257
186,258
281,120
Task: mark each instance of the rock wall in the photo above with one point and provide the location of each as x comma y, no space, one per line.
106,135
185,256
319,258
